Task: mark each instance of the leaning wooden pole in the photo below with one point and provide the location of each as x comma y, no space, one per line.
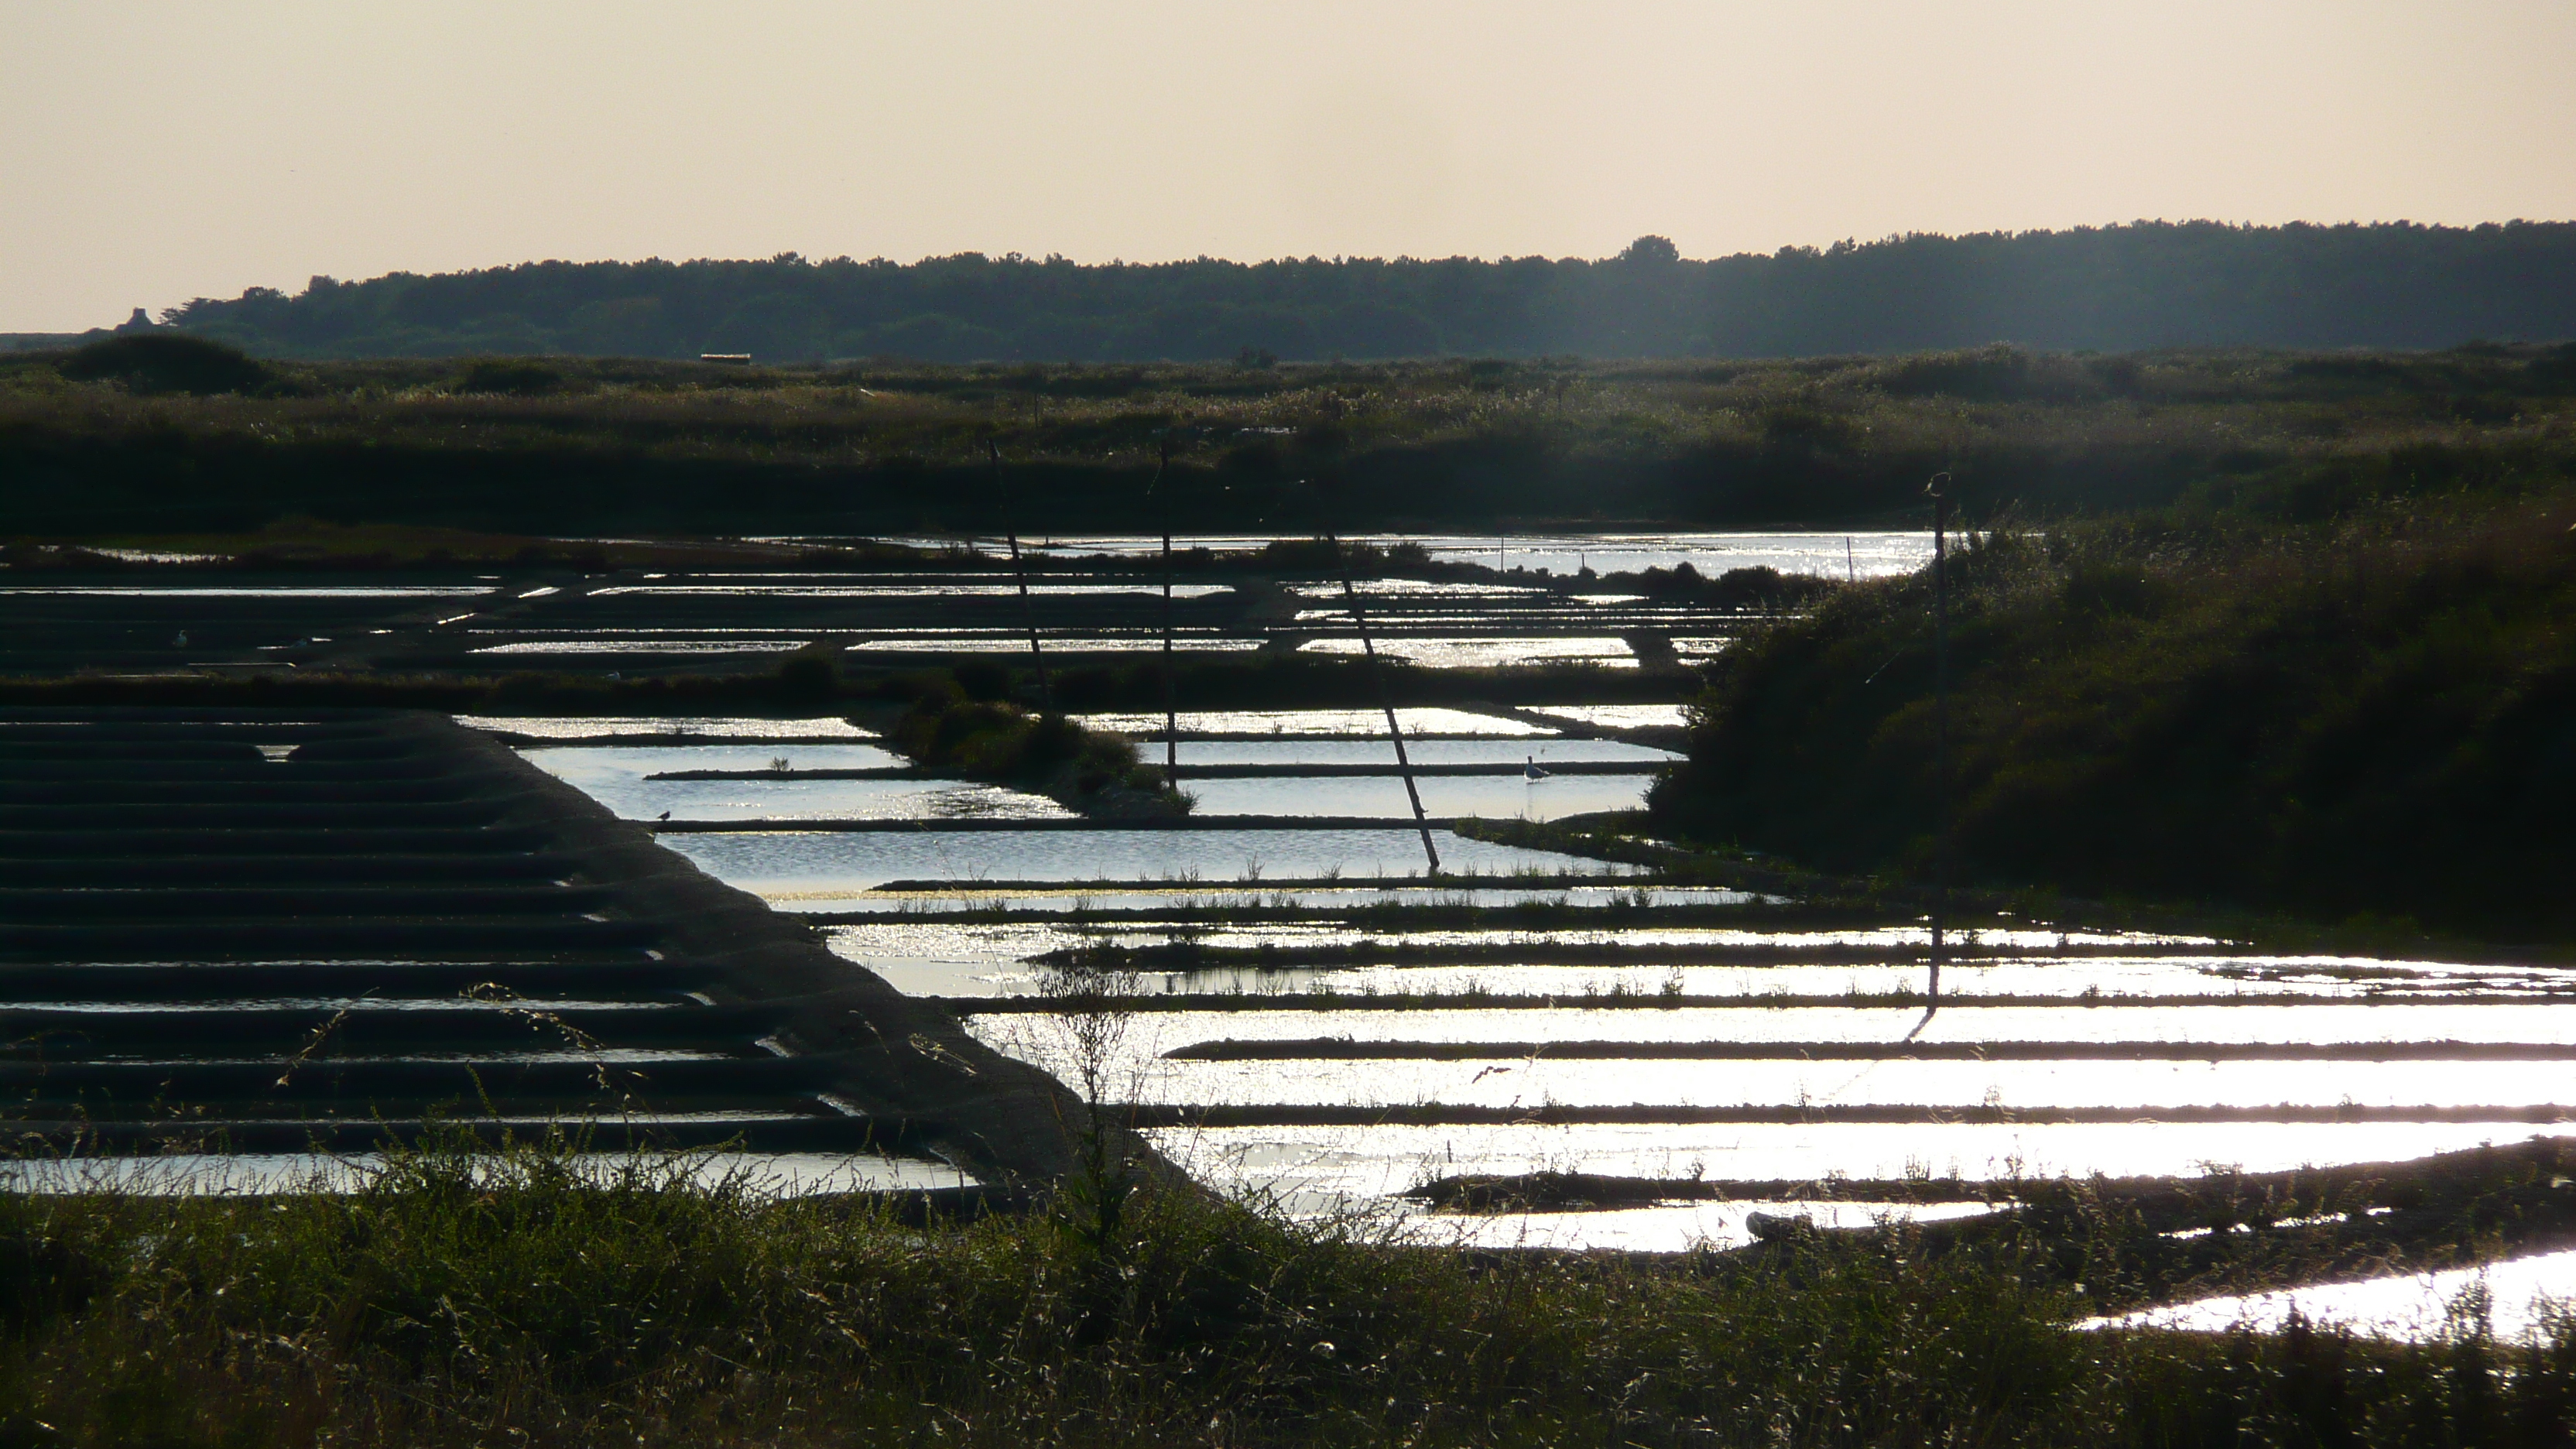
1939,490
1394,731
1171,708
1020,571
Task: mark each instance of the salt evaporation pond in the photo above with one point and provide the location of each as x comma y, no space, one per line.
1150,1033
1833,555
642,646
1055,644
987,960
1263,723
1663,1228
1604,653
2518,1300
606,727
1375,1161
787,1174
1617,716
1929,1085
1248,897
940,589
258,591
1443,796
616,776
855,861
1509,754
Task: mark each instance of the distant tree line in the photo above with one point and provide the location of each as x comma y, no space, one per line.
2151,284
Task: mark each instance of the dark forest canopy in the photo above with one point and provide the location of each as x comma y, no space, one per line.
2151,284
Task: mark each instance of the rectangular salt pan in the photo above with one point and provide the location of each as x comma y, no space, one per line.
1493,797
959,590
1487,653
1042,901
2520,1300
1617,716
561,728
256,591
1665,1228
1373,1161
642,646
2143,1086
791,1174
615,776
862,860
954,645
1159,1031
1258,724
1507,754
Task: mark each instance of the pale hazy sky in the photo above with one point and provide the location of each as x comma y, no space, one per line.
151,152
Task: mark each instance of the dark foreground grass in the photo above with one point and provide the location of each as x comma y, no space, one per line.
518,1298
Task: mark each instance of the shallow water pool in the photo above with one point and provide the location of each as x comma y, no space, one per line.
1374,1161
1492,797
766,861
1267,723
616,776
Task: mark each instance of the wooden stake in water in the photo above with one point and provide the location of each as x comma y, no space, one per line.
1394,731
1019,571
1171,710
1939,492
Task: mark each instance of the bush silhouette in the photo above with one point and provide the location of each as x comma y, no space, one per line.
512,376
161,362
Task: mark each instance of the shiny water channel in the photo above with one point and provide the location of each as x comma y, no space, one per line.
1493,653
607,727
2516,1300
1366,723
1364,1162
619,776
1493,797
1833,555
856,861
1378,753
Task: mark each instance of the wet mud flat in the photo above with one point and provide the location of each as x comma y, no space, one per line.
327,929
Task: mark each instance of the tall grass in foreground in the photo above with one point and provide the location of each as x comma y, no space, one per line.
524,1297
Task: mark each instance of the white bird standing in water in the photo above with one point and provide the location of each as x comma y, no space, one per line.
1530,769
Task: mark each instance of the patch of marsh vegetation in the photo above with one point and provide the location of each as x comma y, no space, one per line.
2355,717
473,1297
963,724
592,446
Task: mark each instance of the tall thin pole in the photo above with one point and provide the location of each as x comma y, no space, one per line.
1939,491
1851,570
1171,709
1020,571
1394,731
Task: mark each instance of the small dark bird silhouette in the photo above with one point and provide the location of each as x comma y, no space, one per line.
665,815
1530,770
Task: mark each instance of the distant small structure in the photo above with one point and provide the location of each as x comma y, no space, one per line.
141,321
729,359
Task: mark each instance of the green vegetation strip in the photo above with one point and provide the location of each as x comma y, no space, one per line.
534,1295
